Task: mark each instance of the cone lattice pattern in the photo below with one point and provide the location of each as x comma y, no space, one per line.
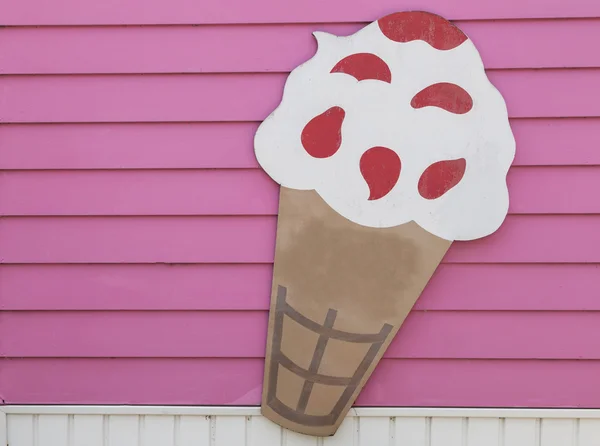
311,376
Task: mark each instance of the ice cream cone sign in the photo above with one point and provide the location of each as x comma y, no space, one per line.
388,144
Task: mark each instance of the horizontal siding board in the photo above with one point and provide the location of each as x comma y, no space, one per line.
535,190
396,382
135,287
242,334
247,97
554,190
242,239
556,141
130,12
498,383
186,192
132,145
533,239
249,48
251,239
540,142
487,287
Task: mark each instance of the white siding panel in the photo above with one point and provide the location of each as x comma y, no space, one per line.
347,434
412,431
88,430
374,430
521,432
3,433
192,430
484,431
230,431
20,430
53,430
261,431
447,431
159,430
589,432
558,433
294,439
123,430
239,426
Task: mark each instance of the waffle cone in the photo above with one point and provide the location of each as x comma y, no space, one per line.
340,293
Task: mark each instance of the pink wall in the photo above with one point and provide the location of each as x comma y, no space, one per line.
138,232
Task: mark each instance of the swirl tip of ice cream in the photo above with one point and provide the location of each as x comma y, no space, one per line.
397,122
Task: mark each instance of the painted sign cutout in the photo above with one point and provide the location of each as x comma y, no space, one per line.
389,144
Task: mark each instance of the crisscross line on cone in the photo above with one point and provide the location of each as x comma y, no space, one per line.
311,376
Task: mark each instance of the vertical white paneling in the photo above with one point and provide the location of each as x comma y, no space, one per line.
123,430
3,433
53,430
294,439
230,431
447,431
411,431
589,432
159,430
557,432
483,431
167,427
19,430
88,430
261,432
192,430
374,431
345,435
520,432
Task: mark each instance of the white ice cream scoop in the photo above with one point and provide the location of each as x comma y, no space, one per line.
395,123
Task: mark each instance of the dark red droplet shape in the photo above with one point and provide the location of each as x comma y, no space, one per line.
380,167
364,66
444,95
322,136
440,177
419,25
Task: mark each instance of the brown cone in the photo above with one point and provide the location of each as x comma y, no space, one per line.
340,293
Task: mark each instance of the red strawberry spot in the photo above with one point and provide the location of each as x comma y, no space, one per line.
419,25
440,177
364,66
380,167
444,95
322,136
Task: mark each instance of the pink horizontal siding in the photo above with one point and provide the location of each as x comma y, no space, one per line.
477,287
129,12
137,232
242,334
247,97
249,48
235,381
534,190
541,142
251,239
